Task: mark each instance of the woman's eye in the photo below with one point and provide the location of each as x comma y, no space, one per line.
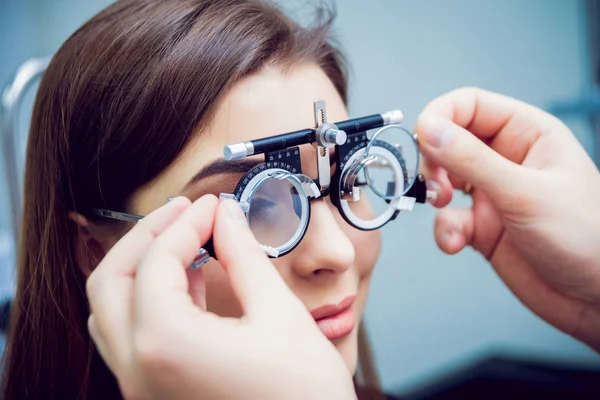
261,208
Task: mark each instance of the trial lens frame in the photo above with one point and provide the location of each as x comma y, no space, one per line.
323,137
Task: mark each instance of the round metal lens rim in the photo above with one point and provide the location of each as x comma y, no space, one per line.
396,168
352,218
416,166
253,186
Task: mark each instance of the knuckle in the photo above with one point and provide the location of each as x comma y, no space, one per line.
523,199
467,90
130,388
446,102
151,356
92,286
471,160
92,328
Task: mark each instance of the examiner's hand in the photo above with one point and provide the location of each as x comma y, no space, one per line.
150,324
536,201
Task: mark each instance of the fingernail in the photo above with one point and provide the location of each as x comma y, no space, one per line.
178,198
435,131
433,191
433,185
234,210
447,238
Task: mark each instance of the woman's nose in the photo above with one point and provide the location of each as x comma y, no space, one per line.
325,248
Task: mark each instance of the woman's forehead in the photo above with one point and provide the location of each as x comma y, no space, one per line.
274,102
265,104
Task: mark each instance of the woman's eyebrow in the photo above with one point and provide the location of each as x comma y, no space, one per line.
222,166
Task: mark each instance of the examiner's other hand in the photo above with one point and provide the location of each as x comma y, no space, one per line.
536,201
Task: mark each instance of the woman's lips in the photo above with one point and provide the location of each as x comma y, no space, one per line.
336,320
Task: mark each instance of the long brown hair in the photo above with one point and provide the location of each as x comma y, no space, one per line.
118,103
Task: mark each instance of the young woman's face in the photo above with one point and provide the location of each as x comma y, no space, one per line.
332,264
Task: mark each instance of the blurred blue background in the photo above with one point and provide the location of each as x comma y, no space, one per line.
428,313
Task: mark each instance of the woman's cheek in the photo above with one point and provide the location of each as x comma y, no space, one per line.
368,248
367,245
220,298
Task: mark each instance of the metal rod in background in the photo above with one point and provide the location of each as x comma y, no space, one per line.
10,104
593,15
588,105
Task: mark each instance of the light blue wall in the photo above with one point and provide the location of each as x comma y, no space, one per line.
428,313
30,28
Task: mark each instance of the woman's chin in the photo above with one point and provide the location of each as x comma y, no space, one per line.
348,348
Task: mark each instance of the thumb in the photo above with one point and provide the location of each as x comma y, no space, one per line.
464,155
254,279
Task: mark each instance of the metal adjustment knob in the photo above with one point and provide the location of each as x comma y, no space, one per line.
328,135
335,136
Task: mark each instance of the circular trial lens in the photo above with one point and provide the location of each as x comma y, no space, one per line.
400,148
276,213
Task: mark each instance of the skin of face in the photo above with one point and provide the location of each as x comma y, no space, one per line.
334,260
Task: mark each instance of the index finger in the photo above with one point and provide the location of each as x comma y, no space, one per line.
161,286
109,288
508,125
123,257
482,112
